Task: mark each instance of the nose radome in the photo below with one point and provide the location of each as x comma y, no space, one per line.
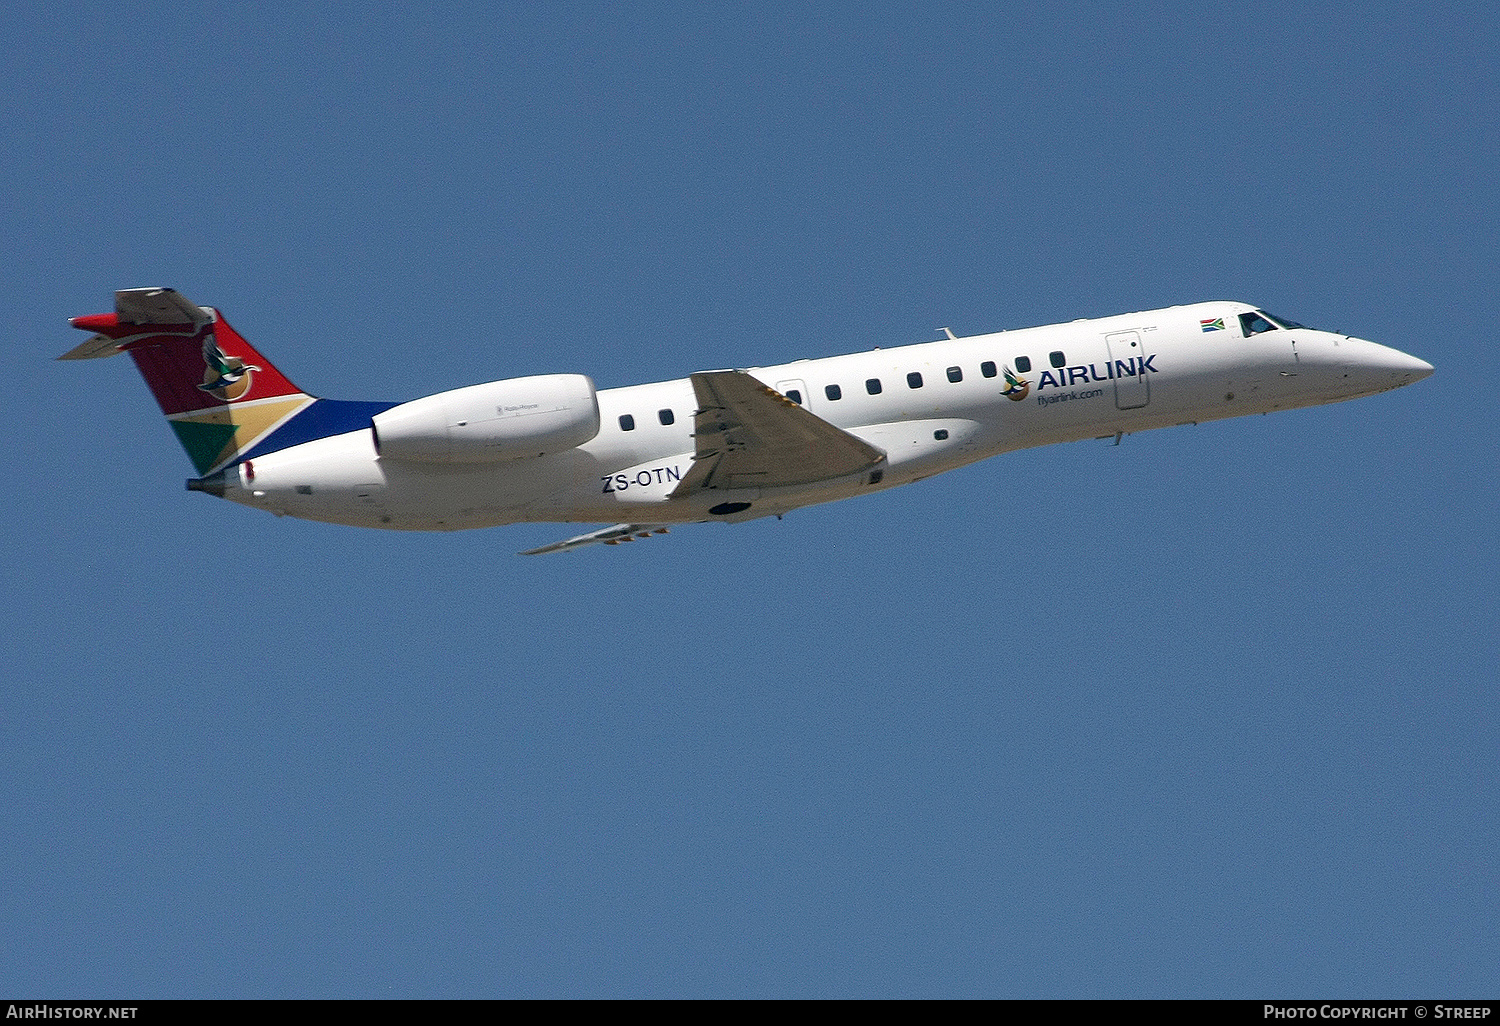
1419,368
1370,366
1403,365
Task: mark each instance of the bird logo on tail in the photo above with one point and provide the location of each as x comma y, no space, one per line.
225,377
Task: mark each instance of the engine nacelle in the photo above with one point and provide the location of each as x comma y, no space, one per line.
501,420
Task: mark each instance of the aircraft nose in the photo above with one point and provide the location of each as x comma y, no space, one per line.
1402,368
1403,365
1419,369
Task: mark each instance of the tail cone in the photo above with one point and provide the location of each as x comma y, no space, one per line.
213,484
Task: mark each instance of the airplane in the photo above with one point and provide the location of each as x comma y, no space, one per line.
729,445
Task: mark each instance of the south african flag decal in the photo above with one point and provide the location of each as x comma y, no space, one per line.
1214,324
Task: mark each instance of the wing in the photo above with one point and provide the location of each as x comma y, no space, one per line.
749,435
608,536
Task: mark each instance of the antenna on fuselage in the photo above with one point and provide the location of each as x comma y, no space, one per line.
949,333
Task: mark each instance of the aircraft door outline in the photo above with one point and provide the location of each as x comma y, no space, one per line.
1125,350
795,390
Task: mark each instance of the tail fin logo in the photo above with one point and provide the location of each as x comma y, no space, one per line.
224,377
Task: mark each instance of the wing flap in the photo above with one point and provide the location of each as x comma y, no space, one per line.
749,435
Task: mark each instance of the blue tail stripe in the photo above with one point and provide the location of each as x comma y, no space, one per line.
323,418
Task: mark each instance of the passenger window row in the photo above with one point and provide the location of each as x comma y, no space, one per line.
627,421
955,375
874,387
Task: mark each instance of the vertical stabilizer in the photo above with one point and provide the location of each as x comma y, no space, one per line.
220,395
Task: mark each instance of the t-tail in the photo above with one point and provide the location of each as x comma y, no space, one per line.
225,401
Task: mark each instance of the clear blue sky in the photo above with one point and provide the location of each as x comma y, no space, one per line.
1211,713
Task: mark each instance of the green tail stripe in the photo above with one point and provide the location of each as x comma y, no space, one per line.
203,442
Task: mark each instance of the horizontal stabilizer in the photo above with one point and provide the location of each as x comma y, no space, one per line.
97,347
607,536
134,307
158,306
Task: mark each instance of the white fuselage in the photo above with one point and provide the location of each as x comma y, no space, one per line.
1119,374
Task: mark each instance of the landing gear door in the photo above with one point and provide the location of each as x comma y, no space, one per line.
1127,362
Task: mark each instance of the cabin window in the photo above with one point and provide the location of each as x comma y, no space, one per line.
1254,324
940,435
914,380
833,392
666,416
1057,359
795,395
627,422
987,368
872,385
955,374
1023,364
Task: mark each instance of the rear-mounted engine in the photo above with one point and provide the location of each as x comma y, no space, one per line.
501,420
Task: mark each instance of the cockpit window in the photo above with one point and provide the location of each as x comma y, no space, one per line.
1254,324
1281,320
